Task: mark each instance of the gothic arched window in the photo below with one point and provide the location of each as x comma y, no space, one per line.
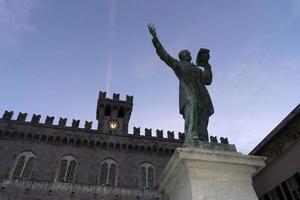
107,110
108,173
24,165
66,169
146,176
121,112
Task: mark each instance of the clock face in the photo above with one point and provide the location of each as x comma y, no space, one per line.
113,124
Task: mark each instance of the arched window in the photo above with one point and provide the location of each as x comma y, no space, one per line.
107,110
108,173
24,165
146,176
66,169
121,112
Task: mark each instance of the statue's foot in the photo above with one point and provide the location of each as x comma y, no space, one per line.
196,141
191,142
204,139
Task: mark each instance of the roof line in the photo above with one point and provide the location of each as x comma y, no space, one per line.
279,127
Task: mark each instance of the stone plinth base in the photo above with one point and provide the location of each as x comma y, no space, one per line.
202,174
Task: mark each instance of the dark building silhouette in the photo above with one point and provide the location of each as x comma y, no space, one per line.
42,160
280,179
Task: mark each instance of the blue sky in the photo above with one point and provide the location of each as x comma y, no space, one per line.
56,55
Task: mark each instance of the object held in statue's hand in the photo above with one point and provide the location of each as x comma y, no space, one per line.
202,57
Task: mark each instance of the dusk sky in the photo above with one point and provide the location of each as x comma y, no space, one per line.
56,55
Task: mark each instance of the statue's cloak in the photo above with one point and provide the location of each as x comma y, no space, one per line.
192,90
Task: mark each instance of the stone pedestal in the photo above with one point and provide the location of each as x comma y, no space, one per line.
202,174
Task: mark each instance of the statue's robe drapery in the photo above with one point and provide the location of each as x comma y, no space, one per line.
192,79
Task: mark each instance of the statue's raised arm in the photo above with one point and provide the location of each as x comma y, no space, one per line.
161,52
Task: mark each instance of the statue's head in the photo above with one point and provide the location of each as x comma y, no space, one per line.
185,55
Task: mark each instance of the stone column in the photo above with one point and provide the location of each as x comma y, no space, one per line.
203,174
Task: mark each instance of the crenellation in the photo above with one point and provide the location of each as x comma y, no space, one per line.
75,123
148,132
181,136
22,117
49,120
8,115
35,119
62,122
129,99
213,139
116,96
88,125
170,135
159,133
224,140
102,95
136,130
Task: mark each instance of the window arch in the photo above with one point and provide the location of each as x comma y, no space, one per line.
107,110
24,165
121,112
108,173
66,169
146,176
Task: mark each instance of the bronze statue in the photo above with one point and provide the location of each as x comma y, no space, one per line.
194,101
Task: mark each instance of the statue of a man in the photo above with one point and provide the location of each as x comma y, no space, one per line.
194,101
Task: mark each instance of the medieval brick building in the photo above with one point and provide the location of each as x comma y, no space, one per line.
42,160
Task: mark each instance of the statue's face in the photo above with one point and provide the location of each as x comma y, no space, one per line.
185,55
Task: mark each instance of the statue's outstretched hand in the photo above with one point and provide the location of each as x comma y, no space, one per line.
152,30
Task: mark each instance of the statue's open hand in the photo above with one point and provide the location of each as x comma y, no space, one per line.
152,30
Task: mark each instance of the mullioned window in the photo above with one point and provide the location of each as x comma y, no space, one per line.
146,176
108,173
24,166
67,169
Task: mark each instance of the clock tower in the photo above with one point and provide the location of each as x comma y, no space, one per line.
113,114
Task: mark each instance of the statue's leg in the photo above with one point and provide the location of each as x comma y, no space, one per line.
190,124
204,132
202,125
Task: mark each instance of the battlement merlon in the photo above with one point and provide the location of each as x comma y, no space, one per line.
115,98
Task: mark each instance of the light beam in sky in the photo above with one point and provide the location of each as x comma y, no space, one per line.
112,30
